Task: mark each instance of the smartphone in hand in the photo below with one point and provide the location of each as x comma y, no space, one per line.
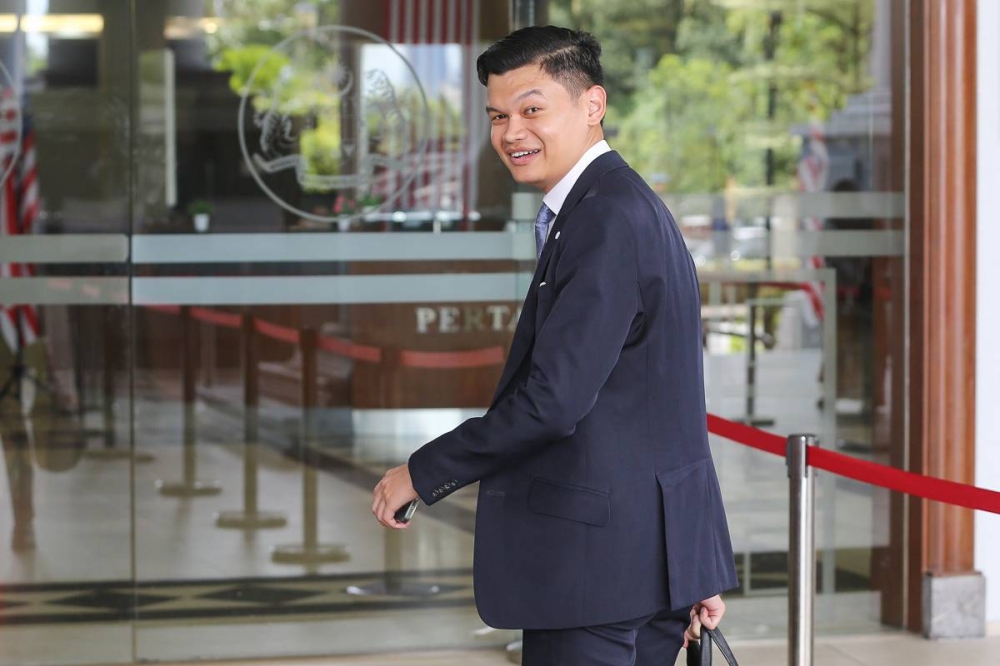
405,512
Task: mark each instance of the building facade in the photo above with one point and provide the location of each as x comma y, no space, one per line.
254,252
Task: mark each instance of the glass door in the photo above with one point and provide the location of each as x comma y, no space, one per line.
774,132
327,275
66,566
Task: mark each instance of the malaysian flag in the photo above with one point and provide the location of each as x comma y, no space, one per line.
448,180
19,206
812,172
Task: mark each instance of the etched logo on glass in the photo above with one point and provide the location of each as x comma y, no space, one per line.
333,123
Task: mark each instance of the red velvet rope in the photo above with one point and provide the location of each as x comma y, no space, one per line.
927,487
283,333
744,434
474,358
224,319
349,349
883,476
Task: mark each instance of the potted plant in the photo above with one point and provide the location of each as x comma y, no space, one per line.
201,214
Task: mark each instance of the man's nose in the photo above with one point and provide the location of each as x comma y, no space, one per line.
514,130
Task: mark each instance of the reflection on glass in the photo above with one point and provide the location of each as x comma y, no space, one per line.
767,128
313,300
64,403
272,382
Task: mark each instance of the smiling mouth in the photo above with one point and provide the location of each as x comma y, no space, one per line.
523,153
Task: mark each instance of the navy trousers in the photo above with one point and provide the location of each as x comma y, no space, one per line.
652,640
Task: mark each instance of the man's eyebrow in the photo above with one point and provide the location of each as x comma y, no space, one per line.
533,91
524,95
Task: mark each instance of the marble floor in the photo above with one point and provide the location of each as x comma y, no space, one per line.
870,650
123,572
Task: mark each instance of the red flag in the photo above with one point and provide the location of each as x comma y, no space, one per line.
19,206
813,169
440,22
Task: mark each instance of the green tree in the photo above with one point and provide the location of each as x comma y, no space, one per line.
634,35
697,116
305,96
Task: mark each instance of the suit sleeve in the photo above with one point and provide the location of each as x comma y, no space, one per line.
596,299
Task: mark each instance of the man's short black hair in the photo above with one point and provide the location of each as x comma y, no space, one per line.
571,57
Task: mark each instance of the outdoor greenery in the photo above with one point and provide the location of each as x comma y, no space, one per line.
199,207
699,89
306,97
689,80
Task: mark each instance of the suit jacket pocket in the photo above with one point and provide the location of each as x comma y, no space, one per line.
584,505
543,304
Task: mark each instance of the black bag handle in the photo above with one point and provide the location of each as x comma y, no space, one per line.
700,653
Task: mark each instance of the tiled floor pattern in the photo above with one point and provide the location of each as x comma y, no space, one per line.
208,593
240,598
876,650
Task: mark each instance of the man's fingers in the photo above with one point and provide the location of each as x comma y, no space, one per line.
393,491
388,518
377,497
711,617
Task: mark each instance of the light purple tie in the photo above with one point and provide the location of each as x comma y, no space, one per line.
542,221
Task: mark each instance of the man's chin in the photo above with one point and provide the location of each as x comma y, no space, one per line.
524,179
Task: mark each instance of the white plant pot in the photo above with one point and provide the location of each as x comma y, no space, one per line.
201,221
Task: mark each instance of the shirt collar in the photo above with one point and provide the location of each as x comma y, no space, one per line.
557,195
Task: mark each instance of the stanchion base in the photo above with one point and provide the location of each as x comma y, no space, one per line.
300,554
755,421
243,520
514,652
192,489
385,588
118,454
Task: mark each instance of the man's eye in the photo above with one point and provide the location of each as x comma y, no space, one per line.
532,109
497,117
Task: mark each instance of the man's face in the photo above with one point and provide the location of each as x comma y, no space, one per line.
538,128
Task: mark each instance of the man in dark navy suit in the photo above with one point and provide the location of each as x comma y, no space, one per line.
600,528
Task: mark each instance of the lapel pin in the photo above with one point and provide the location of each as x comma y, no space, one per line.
557,234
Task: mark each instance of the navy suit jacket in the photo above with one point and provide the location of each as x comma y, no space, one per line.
598,500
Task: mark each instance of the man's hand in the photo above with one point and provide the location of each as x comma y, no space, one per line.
707,613
693,632
393,492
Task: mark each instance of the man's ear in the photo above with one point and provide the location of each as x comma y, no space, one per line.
597,104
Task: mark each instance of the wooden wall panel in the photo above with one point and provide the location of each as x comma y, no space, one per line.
942,256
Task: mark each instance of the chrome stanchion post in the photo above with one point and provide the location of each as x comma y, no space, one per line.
801,551
189,485
750,416
250,517
393,582
311,551
111,348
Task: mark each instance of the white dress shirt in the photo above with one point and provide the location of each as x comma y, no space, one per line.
556,197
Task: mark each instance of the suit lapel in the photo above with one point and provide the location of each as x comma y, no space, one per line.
524,335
